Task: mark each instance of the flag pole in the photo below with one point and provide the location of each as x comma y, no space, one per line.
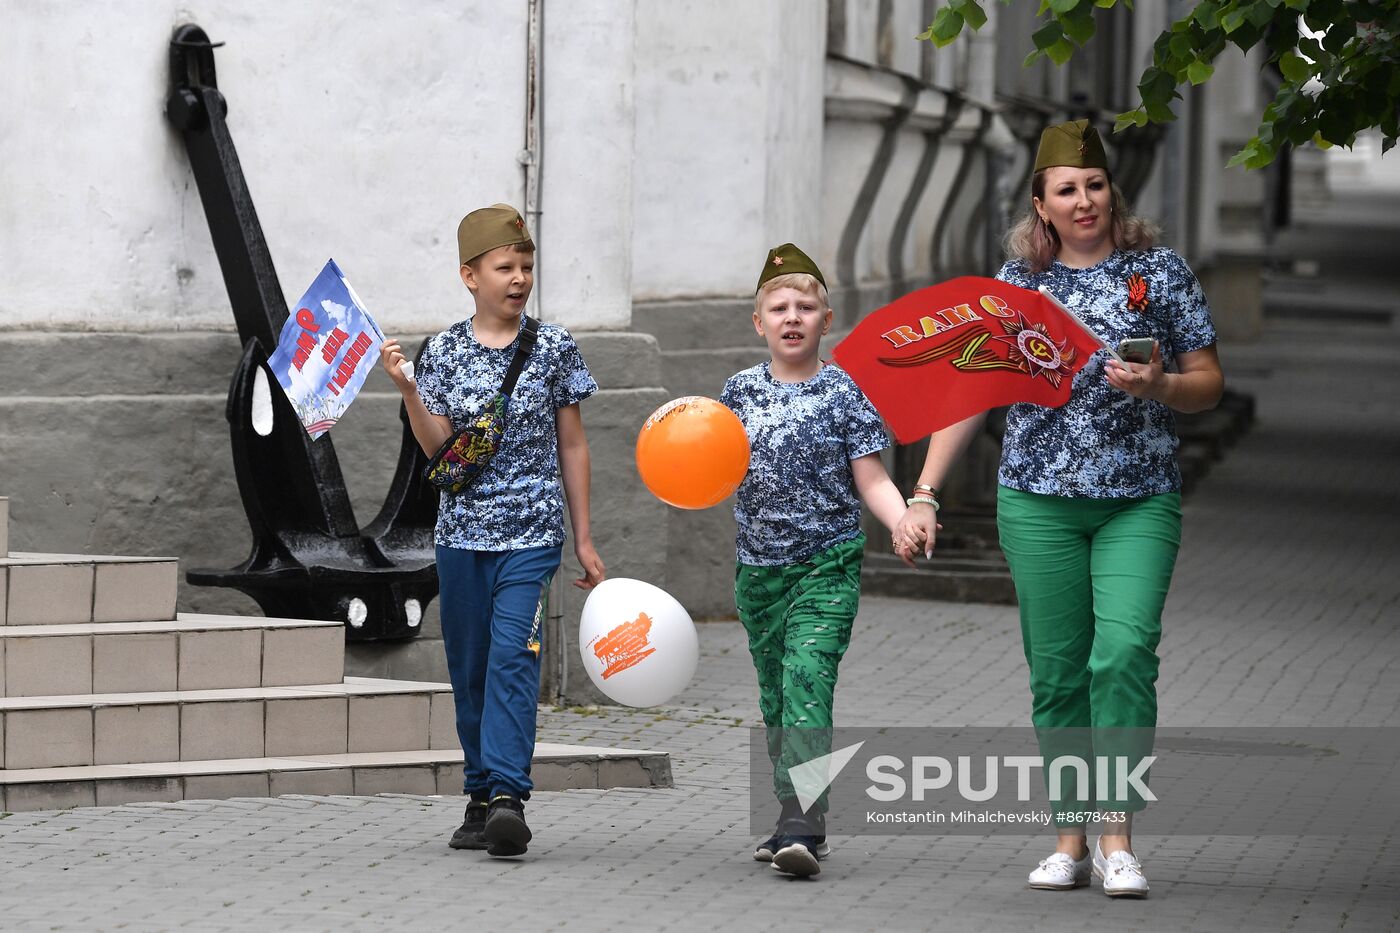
1082,326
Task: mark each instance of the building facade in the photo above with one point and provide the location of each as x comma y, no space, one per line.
659,147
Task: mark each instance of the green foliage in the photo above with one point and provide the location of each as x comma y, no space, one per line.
1339,61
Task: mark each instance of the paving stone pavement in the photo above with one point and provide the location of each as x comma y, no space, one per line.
1284,612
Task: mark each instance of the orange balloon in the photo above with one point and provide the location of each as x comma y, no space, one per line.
692,452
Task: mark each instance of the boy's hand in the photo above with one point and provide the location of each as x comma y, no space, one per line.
593,570
392,358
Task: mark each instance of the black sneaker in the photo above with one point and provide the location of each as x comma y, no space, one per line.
797,856
468,835
764,853
766,848
506,834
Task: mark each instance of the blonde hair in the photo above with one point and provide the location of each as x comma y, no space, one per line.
1037,243
802,281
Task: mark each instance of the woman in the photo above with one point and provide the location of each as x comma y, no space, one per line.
1089,501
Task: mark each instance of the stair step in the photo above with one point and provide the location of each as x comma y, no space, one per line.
555,767
62,589
190,652
357,715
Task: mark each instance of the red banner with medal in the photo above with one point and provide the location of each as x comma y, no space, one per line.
949,351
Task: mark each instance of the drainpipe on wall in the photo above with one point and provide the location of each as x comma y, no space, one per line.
532,161
532,156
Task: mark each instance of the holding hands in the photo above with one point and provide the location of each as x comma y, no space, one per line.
916,532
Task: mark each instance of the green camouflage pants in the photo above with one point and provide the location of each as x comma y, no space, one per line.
798,618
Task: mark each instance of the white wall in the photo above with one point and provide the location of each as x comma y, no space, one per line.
365,130
585,259
794,124
1228,216
728,141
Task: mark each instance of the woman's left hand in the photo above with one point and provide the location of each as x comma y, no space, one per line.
1140,380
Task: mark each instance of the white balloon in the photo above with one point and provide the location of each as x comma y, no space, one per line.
637,642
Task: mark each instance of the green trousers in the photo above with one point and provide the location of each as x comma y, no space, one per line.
1091,577
799,618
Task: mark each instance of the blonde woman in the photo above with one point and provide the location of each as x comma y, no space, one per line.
1089,494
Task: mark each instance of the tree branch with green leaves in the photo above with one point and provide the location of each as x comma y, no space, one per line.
1338,61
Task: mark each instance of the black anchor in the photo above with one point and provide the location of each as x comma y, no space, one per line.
310,558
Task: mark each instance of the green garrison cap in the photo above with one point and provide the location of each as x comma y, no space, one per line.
785,260
488,228
1075,144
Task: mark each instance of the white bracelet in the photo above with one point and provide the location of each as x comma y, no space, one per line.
924,499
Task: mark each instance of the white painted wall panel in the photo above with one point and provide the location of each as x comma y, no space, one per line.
365,132
585,263
728,148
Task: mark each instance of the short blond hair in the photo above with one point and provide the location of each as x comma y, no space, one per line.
802,281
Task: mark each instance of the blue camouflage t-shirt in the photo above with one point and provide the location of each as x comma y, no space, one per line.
799,495
517,501
1104,443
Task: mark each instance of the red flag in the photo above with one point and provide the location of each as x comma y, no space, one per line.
949,351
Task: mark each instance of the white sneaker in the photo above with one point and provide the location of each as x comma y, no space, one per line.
1059,872
1121,873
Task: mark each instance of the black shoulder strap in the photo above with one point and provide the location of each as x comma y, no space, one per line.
529,332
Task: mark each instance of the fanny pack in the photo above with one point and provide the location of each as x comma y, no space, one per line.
464,455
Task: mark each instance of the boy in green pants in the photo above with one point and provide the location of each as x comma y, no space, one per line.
814,442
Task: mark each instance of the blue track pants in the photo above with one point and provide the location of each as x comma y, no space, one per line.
493,610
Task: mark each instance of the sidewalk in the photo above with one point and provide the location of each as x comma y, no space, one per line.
1284,611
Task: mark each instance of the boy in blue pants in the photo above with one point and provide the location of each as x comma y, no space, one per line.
499,539
814,442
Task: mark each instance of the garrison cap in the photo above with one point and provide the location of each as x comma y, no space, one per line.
1075,143
785,260
485,229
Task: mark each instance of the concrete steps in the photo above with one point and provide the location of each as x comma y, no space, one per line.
61,589
189,652
555,767
109,696
356,715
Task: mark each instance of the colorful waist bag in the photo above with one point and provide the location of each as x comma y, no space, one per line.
464,455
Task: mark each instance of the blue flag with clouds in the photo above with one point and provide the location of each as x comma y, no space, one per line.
326,349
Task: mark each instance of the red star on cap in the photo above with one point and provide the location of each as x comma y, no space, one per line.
777,260
520,223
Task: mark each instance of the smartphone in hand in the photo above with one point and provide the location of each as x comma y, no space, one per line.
1136,349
